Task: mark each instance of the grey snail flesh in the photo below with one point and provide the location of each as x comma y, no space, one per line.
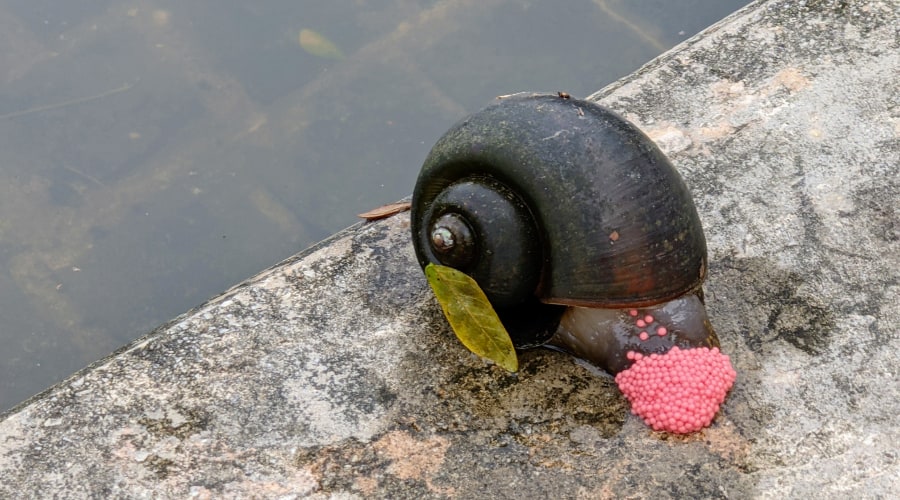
605,336
554,205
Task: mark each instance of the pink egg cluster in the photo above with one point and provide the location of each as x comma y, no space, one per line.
679,391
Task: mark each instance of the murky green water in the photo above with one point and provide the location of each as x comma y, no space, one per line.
155,153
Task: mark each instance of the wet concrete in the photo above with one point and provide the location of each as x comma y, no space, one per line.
335,374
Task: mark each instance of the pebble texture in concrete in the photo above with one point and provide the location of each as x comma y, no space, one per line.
334,374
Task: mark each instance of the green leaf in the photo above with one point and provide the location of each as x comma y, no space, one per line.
471,315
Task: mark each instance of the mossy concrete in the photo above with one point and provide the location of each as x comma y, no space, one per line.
334,374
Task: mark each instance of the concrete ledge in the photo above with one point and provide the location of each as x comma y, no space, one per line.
334,373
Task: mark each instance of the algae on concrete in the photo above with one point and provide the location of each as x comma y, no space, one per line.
335,374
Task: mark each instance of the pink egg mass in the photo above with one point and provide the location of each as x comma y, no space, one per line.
679,391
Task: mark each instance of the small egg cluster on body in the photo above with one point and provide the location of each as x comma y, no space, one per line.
645,322
679,391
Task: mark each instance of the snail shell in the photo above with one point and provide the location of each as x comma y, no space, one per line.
550,202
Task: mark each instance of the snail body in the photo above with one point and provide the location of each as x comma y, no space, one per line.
550,203
606,336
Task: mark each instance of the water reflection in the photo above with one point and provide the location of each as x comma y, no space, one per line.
156,153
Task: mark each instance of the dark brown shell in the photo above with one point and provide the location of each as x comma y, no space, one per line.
602,217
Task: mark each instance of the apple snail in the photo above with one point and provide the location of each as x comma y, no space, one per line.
585,239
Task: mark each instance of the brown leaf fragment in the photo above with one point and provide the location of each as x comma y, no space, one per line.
385,211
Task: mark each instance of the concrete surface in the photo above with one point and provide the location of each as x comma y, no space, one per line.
334,374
